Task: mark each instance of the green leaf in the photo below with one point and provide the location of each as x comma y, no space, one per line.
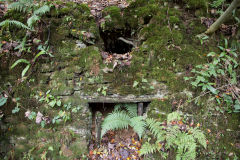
144,80
212,89
15,110
59,103
19,61
226,43
152,87
39,54
42,10
3,100
15,23
104,92
135,83
25,70
74,110
237,106
200,79
52,103
32,20
32,115
212,54
220,47
50,148
48,91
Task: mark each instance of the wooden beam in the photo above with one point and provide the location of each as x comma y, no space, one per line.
140,109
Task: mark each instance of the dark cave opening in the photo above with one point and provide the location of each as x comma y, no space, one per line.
117,41
106,108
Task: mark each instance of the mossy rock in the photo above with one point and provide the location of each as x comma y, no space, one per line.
79,148
140,12
159,109
113,19
193,4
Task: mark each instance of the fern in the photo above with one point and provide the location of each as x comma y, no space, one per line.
32,20
131,108
114,121
42,10
198,134
184,142
174,116
13,23
22,5
138,125
121,119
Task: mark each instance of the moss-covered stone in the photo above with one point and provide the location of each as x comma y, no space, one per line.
159,109
197,3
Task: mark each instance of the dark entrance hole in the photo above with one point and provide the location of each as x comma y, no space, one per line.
112,140
117,41
106,108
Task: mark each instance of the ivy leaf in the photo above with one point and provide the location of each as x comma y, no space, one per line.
237,106
52,103
32,115
59,103
144,80
3,100
212,89
15,110
50,148
104,92
74,110
135,83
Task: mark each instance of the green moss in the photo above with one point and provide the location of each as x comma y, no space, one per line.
90,56
140,12
197,3
113,17
159,109
79,148
174,19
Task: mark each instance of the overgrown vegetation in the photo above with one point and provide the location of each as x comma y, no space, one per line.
122,119
219,78
173,134
43,109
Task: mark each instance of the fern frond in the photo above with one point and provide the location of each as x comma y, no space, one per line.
138,125
14,23
132,109
18,6
148,148
114,121
174,116
118,107
42,10
32,20
186,147
155,128
21,5
198,134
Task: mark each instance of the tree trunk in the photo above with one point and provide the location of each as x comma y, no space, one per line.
223,17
